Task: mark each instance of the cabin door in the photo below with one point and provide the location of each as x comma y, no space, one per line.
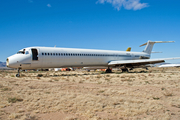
34,54
35,60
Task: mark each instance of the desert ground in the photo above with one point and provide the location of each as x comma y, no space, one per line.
82,95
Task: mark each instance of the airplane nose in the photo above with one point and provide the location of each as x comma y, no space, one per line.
7,62
11,62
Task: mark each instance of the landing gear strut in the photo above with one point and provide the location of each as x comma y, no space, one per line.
18,75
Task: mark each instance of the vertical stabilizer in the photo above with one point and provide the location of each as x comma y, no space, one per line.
128,49
150,44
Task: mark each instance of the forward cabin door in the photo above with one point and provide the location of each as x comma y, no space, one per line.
35,59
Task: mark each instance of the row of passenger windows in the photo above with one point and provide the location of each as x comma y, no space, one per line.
77,54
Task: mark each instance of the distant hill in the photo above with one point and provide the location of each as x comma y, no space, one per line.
2,64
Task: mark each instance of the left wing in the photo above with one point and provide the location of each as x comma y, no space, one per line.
139,62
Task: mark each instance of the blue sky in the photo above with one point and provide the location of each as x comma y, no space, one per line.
92,24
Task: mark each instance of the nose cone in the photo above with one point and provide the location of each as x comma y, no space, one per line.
7,62
12,62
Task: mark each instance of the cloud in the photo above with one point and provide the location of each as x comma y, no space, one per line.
127,4
49,5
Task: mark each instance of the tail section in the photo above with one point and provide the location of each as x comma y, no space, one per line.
128,49
150,44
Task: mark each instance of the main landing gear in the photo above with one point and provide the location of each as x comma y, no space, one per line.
125,70
108,70
18,74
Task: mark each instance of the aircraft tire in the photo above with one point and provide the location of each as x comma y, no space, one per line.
17,75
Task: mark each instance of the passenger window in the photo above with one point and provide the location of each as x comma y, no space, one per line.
45,53
42,53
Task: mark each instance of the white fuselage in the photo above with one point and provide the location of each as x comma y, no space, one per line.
51,57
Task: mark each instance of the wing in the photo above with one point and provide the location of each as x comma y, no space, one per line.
138,62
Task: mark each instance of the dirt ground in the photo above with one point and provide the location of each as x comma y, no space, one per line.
81,95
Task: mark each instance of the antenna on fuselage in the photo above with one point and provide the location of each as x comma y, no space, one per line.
55,46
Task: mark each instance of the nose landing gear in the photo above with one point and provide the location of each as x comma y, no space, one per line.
18,74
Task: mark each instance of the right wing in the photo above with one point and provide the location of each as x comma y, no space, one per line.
138,62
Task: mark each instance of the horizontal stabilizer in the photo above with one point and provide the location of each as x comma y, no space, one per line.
150,45
155,52
156,42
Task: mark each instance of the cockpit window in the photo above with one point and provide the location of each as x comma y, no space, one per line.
27,52
21,51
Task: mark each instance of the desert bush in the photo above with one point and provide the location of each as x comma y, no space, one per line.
98,76
6,89
39,75
103,72
156,98
14,100
12,76
107,75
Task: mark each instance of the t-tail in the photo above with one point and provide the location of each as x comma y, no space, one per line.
150,44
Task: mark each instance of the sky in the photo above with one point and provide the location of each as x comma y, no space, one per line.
91,24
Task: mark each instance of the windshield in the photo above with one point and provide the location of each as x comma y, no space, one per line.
21,51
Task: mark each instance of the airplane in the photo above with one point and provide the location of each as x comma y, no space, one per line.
54,57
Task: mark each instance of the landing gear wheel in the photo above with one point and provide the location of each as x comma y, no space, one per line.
108,71
17,75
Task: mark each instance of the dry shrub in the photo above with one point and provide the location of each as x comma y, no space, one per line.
98,76
39,75
14,100
6,89
15,116
12,76
131,76
32,87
